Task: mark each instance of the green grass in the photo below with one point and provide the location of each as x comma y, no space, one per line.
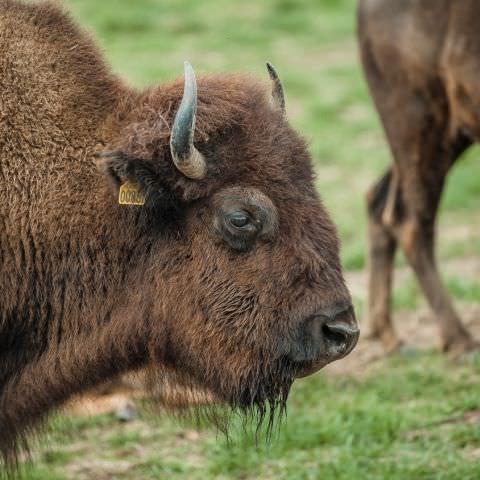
465,289
394,422
381,425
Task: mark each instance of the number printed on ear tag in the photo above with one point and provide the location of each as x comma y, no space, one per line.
130,194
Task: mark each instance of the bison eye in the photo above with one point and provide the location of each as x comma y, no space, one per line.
239,229
242,223
239,219
241,216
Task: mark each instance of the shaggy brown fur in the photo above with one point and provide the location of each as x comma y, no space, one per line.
421,62
90,289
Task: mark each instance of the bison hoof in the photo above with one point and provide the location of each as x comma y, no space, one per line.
458,348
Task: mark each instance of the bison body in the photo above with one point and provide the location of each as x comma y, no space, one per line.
421,62
226,281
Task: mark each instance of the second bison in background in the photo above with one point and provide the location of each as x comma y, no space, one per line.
421,60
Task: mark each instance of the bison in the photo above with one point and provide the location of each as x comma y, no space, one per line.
175,228
420,59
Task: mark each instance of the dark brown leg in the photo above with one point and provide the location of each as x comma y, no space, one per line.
395,220
416,235
382,248
417,242
415,112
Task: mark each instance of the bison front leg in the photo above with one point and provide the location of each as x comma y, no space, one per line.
395,219
382,248
416,239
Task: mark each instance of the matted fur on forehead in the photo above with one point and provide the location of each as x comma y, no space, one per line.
244,138
224,102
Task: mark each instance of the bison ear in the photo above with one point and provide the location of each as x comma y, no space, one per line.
139,175
278,97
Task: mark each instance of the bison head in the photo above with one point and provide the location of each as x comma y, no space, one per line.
243,278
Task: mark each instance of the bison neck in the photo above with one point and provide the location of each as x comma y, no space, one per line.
73,314
75,293
72,308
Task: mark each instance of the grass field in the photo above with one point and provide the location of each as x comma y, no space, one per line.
412,416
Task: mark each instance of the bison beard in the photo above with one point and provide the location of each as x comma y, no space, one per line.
260,398
226,282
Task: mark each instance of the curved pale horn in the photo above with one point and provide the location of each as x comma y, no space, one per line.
277,89
185,156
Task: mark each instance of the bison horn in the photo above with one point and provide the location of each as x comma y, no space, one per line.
185,156
277,89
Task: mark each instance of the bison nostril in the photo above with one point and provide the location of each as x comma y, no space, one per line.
333,333
340,334
328,335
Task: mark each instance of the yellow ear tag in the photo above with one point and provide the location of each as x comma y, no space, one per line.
130,194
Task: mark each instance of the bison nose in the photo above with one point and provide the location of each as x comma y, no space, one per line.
328,335
341,337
